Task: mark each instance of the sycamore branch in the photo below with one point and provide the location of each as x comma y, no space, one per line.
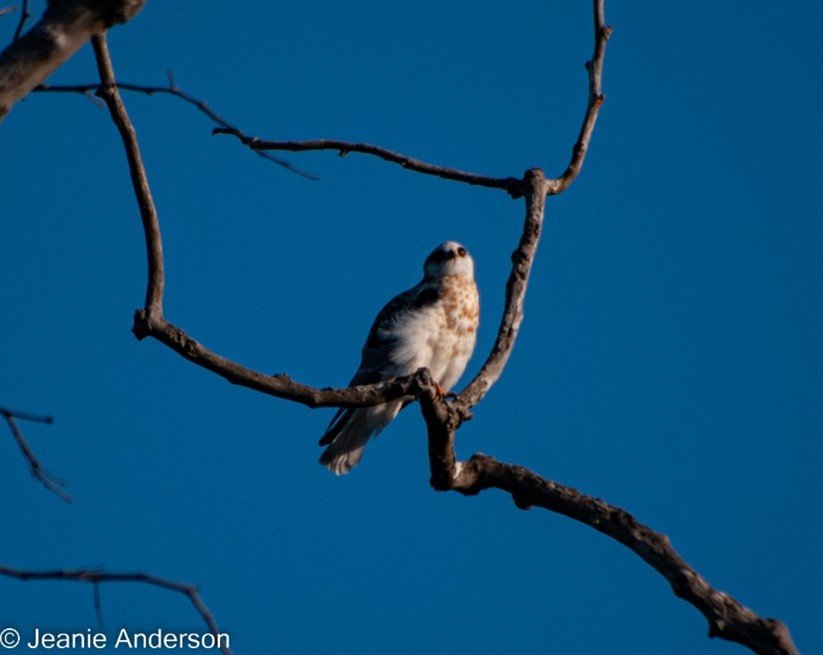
49,481
97,578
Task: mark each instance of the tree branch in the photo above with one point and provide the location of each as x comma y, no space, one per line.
98,577
173,90
148,213
602,32
66,25
522,260
49,481
728,619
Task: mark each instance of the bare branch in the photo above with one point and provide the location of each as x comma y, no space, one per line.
279,385
509,184
728,618
173,90
602,32
7,10
522,260
97,577
64,28
49,481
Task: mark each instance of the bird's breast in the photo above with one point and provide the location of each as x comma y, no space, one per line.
452,343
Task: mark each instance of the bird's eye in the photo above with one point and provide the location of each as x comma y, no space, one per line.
461,251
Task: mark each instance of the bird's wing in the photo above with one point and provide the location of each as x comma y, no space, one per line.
379,357
377,361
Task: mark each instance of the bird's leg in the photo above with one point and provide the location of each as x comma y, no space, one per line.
443,394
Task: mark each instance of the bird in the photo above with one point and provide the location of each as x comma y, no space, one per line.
433,325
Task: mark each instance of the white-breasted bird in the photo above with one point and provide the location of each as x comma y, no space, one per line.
432,325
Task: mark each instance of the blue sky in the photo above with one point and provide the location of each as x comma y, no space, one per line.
670,360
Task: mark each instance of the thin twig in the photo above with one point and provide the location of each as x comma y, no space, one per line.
24,16
49,481
97,577
7,10
173,90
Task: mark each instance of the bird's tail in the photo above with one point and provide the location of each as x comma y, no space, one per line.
349,432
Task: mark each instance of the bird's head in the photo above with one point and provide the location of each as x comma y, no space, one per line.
449,258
